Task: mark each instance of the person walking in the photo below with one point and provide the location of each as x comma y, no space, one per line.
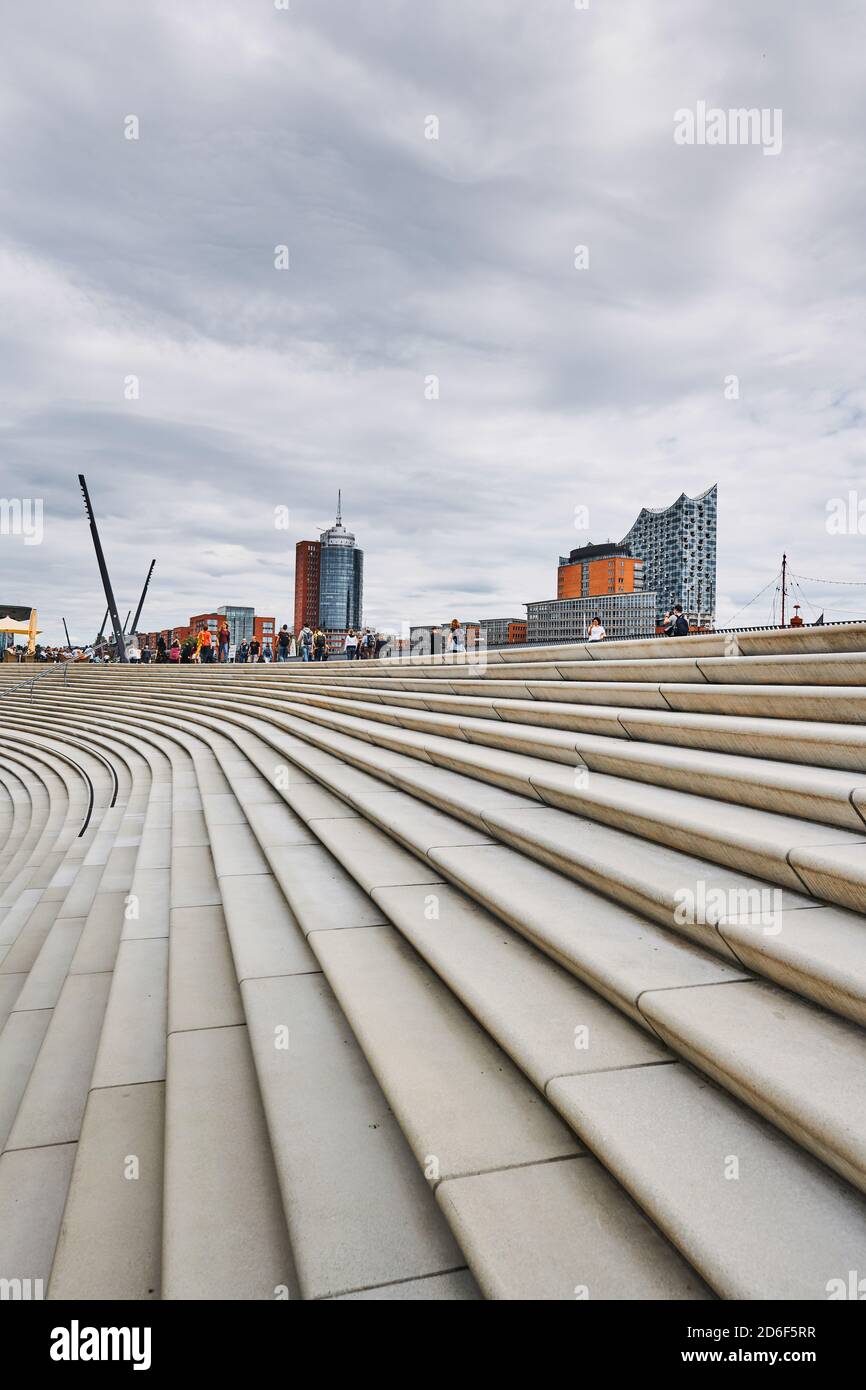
283,640
205,646
320,645
174,651
596,630
350,646
243,652
306,638
254,651
224,637
145,655
160,648
456,637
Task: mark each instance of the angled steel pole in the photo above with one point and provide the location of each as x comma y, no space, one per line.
134,628
101,630
119,647
66,630
126,623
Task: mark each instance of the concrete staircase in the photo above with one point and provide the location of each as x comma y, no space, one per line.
537,977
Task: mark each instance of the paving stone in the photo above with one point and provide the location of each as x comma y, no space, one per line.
266,938
110,1237
719,1181
460,1101
33,1185
562,1231
368,1221
203,991
224,1235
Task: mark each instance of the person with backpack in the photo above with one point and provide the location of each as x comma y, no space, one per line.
242,652
160,648
306,640
283,641
675,623
205,646
319,645
350,646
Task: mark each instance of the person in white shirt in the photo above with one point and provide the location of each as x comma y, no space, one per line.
350,646
596,631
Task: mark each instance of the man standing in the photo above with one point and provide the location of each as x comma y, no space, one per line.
306,636
675,623
283,640
319,645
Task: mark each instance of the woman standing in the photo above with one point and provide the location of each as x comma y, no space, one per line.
596,631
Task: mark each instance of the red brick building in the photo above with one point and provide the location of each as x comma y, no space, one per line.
264,629
307,561
213,621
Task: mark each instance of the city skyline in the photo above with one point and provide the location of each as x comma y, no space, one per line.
432,340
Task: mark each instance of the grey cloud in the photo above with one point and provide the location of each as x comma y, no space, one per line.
412,257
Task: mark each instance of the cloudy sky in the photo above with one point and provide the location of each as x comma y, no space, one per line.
411,258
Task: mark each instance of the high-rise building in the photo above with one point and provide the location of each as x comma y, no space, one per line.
678,547
592,570
307,564
341,578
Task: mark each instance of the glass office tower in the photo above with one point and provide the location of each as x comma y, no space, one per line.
240,622
341,578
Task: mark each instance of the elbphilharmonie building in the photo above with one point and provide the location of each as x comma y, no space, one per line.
678,547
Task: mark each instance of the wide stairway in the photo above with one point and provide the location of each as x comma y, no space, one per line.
541,976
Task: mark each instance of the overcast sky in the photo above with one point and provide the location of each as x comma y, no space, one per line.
411,258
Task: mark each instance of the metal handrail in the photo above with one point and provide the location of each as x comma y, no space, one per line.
31,680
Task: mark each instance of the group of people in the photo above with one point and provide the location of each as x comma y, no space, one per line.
674,624
364,645
201,648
